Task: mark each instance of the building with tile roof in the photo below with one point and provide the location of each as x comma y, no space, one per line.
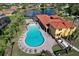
44,20
14,8
56,25
8,12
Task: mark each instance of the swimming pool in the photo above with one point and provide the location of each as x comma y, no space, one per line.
34,37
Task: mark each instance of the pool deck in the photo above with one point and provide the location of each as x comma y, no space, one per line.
47,45
49,41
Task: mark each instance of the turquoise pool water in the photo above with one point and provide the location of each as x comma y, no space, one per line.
34,37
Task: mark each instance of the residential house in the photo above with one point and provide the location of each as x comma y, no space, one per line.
14,8
8,12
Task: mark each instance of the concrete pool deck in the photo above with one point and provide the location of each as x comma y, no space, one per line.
47,45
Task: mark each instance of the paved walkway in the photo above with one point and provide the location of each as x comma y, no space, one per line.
49,40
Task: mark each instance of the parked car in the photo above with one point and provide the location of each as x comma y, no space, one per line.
63,43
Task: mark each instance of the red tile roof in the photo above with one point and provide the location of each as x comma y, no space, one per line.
44,19
14,8
7,11
68,24
55,21
57,25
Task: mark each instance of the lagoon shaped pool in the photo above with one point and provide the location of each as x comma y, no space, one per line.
34,37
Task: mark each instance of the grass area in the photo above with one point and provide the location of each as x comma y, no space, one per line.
15,47
18,52
72,52
56,47
76,43
2,44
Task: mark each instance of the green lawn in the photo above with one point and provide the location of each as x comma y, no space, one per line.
56,47
71,53
76,43
18,52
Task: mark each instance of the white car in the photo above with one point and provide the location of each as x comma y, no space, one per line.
63,43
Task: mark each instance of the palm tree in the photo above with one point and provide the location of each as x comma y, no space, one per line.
74,36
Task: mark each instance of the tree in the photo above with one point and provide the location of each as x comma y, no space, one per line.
2,51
